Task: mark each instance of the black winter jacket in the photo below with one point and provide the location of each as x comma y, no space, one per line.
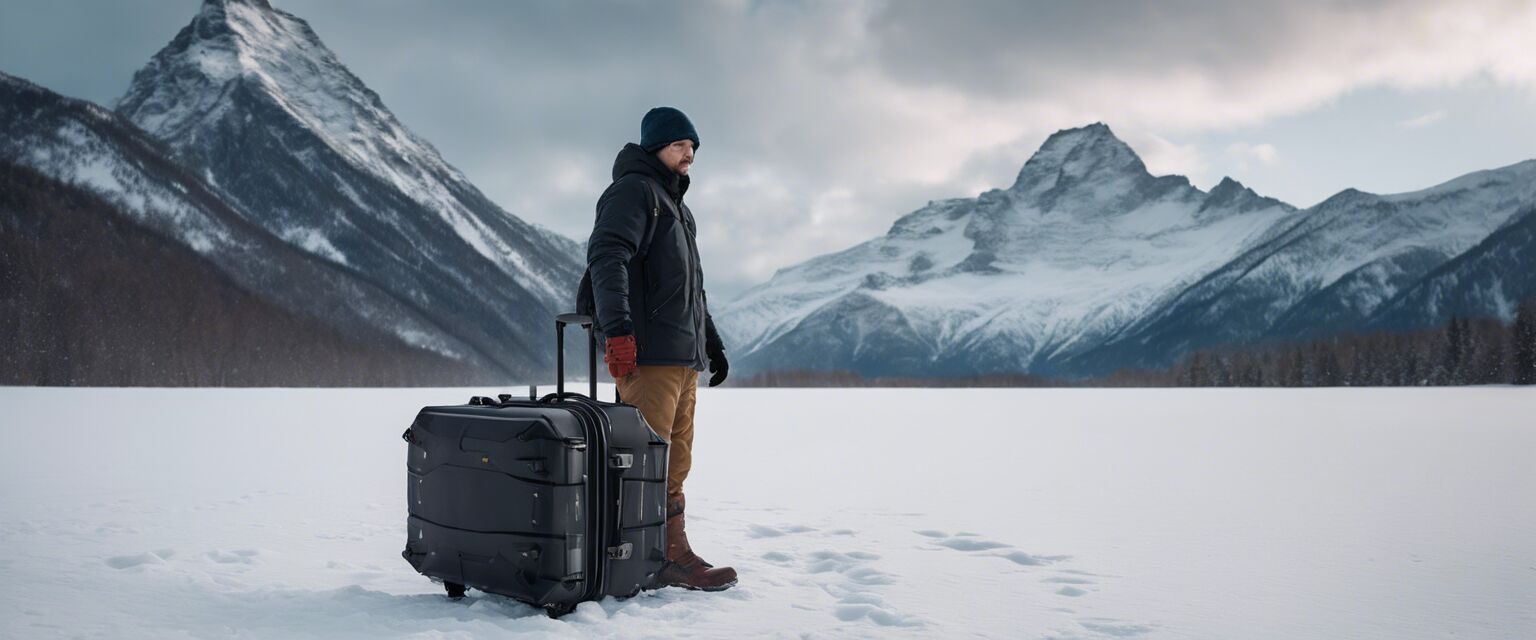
658,297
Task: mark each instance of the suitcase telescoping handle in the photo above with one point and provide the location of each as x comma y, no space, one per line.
585,322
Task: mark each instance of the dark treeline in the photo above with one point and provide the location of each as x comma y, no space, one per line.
1466,351
807,378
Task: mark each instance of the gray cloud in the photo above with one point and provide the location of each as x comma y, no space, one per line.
1012,49
821,122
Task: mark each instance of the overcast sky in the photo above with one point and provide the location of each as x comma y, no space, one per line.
822,122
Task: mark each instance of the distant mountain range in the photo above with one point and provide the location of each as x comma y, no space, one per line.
251,213
1089,264
248,142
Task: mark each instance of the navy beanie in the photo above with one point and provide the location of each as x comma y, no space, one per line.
663,126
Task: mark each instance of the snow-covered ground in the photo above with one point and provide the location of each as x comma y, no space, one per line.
879,512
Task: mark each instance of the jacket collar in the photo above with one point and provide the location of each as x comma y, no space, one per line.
634,159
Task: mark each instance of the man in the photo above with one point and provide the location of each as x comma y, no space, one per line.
648,297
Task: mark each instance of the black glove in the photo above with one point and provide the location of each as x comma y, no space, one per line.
715,349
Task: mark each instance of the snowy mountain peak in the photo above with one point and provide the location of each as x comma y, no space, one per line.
260,4
1346,198
243,69
249,97
1227,185
265,52
1058,146
1076,155
1088,171
1232,196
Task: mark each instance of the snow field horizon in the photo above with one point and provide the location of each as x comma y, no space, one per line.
1062,513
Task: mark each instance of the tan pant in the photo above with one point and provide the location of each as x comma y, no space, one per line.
665,395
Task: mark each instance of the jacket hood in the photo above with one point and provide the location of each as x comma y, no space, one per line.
634,159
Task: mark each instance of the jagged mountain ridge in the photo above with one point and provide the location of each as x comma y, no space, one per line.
1088,264
1331,271
119,200
1488,280
1084,242
250,98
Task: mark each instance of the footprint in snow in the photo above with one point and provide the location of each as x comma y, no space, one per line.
971,543
778,557
764,531
1031,560
1116,628
856,587
852,565
238,556
140,559
1072,583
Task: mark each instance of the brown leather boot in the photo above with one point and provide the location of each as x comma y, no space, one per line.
684,568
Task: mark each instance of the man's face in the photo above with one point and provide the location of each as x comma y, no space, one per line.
678,156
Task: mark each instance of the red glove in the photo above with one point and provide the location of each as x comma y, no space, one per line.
620,356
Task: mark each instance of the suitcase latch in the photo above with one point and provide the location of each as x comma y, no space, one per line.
621,552
621,460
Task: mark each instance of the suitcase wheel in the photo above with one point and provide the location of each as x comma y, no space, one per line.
455,590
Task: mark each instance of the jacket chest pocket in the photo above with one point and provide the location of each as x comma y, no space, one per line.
667,299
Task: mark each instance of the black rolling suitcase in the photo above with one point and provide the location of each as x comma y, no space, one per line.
552,501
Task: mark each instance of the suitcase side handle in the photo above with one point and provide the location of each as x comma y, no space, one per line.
585,322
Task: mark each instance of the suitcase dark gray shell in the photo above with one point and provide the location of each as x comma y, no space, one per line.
552,501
